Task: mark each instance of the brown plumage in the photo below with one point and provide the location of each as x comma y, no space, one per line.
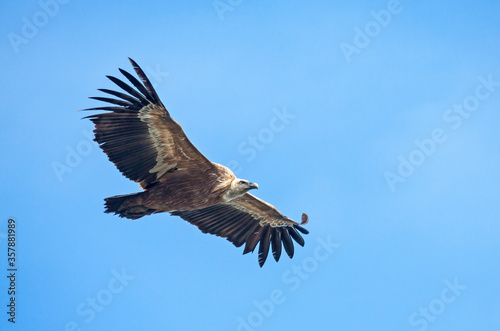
149,147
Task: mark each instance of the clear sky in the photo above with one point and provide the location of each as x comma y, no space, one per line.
380,119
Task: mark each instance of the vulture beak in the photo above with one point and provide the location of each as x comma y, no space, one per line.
253,185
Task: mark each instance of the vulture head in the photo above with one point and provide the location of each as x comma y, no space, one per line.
239,187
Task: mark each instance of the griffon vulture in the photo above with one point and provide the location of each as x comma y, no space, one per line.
149,147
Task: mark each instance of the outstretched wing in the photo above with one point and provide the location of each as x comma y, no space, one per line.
140,137
249,220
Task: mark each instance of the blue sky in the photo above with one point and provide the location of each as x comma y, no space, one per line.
390,146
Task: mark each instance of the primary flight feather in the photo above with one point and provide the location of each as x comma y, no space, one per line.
149,147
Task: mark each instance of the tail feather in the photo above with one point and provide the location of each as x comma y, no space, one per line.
128,206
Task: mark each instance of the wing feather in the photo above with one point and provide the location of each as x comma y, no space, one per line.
145,80
276,244
252,240
113,101
265,241
296,236
124,96
127,88
138,86
301,229
287,243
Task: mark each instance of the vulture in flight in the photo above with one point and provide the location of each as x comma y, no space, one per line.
149,147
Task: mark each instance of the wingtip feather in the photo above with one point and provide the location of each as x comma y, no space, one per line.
305,219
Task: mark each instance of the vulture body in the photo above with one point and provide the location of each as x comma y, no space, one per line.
149,147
